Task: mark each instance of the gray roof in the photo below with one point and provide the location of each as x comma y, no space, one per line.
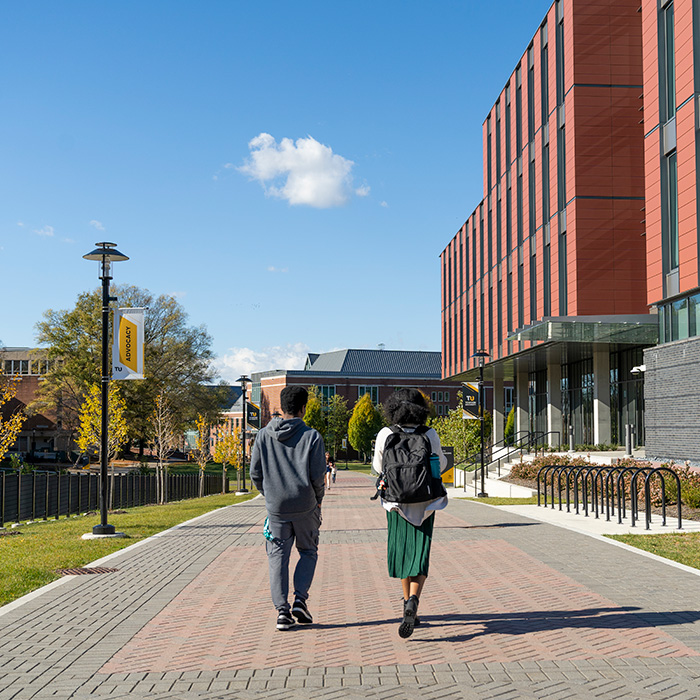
380,363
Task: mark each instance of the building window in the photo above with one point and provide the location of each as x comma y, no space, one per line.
433,396
498,140
373,392
667,70
326,393
446,396
508,399
672,210
544,74
530,95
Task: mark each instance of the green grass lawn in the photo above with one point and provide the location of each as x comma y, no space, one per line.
30,559
495,501
681,547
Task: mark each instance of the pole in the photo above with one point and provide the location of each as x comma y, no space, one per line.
483,493
244,489
103,528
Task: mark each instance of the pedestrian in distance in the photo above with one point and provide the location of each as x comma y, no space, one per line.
288,467
409,460
330,470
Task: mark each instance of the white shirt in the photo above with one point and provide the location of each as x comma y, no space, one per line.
415,513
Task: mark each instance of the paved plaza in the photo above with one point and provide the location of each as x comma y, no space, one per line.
513,608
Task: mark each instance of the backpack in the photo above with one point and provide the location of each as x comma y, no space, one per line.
406,474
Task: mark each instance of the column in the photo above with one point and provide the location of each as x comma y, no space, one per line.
522,422
554,405
601,396
498,417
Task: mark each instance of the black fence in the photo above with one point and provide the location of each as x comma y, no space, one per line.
605,490
40,495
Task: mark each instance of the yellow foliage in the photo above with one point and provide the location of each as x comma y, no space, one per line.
9,427
229,450
90,430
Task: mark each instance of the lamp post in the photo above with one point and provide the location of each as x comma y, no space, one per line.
481,355
243,379
105,254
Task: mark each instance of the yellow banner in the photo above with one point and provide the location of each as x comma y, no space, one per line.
127,350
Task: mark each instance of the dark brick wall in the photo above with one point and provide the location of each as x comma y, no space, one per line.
672,401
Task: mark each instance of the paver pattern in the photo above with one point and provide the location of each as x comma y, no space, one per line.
512,609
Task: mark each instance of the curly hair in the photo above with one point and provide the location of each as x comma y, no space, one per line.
406,407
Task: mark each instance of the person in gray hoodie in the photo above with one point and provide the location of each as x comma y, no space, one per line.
288,467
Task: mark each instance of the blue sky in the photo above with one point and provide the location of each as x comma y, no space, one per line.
290,171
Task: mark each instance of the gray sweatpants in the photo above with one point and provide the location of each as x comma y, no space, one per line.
304,530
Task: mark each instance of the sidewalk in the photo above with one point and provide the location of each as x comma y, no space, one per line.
513,608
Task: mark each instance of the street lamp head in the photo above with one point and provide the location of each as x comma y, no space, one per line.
243,379
106,254
481,355
106,251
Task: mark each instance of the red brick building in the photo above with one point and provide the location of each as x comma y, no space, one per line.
547,274
352,373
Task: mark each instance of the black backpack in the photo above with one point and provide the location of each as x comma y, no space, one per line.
406,474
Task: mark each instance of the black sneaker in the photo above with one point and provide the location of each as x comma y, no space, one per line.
284,620
417,620
301,612
409,618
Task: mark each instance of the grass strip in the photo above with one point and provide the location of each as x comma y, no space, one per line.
29,560
496,501
681,547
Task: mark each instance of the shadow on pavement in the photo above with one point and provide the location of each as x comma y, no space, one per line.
539,621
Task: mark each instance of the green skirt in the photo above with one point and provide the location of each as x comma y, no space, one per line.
408,546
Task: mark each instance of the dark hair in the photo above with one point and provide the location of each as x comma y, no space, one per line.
293,399
406,407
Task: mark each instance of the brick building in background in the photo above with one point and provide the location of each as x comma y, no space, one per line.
579,269
352,373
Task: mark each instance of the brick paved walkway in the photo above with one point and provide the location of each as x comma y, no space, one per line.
513,608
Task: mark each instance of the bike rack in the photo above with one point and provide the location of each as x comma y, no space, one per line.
596,487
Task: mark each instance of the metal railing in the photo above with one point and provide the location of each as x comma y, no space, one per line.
40,495
600,487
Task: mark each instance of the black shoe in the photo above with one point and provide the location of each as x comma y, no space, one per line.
301,612
409,618
417,620
284,620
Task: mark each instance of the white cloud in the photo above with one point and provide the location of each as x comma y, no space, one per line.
362,191
20,224
177,295
302,171
383,204
68,240
272,268
238,361
46,231
97,224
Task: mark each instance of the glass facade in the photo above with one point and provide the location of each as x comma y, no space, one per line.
577,401
680,319
626,395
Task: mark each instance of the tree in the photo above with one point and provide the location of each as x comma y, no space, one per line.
229,450
201,451
336,422
365,423
11,419
165,439
314,416
461,434
90,430
177,361
509,431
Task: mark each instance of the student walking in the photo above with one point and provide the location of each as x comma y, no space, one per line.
288,467
409,524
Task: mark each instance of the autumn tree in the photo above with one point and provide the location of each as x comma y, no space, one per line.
365,422
165,439
90,430
336,422
229,450
177,361
201,452
314,416
12,416
464,435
